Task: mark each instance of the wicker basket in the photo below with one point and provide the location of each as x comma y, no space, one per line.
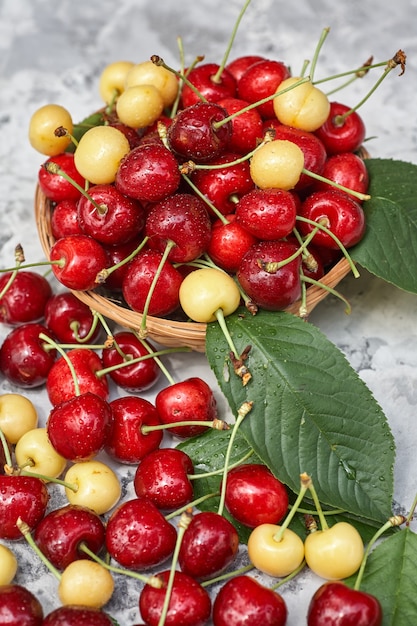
167,332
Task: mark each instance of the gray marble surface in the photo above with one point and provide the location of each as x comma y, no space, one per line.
54,52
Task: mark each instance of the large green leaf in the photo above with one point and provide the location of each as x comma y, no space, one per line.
390,576
311,411
389,247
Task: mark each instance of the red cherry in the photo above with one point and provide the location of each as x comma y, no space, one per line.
24,497
125,442
194,135
243,600
229,243
138,536
57,188
190,399
267,213
183,219
138,376
209,545
238,66
189,605
133,135
261,80
116,254
78,428
70,615
271,290
247,128
118,220
163,477
224,186
138,280
341,134
25,299
339,212
346,169
203,78
335,604
255,496
81,258
68,318
61,532
64,219
60,383
24,360
148,173
19,607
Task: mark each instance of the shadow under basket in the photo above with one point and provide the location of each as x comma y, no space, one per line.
167,332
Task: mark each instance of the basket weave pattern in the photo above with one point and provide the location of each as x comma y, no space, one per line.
167,332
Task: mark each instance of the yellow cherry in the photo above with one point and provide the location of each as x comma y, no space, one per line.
35,453
334,553
99,153
96,486
139,106
42,126
87,583
272,556
277,165
204,291
8,565
17,415
304,106
147,73
112,80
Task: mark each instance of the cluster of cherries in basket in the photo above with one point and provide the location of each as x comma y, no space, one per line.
138,533
208,180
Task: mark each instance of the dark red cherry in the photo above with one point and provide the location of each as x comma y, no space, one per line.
204,78
72,615
261,80
336,604
19,607
69,319
267,213
247,128
198,132
25,298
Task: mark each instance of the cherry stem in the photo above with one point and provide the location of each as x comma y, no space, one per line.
227,575
53,168
319,46
213,208
196,502
59,262
390,66
158,361
157,60
352,192
220,471
393,521
219,314
412,511
357,70
305,485
64,355
168,248
293,574
6,450
359,74
19,259
254,105
153,581
139,359
216,424
75,326
183,524
50,479
323,522
334,292
336,239
103,274
243,410
25,530
217,77
274,266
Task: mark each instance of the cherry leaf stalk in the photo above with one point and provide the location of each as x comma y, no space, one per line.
312,412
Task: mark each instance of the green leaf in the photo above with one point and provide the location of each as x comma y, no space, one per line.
389,247
390,576
311,411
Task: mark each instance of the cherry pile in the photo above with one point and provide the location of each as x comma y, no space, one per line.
189,193
214,180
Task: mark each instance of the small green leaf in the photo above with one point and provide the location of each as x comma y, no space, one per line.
390,576
311,411
389,247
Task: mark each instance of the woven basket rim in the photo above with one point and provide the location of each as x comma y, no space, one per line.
171,333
